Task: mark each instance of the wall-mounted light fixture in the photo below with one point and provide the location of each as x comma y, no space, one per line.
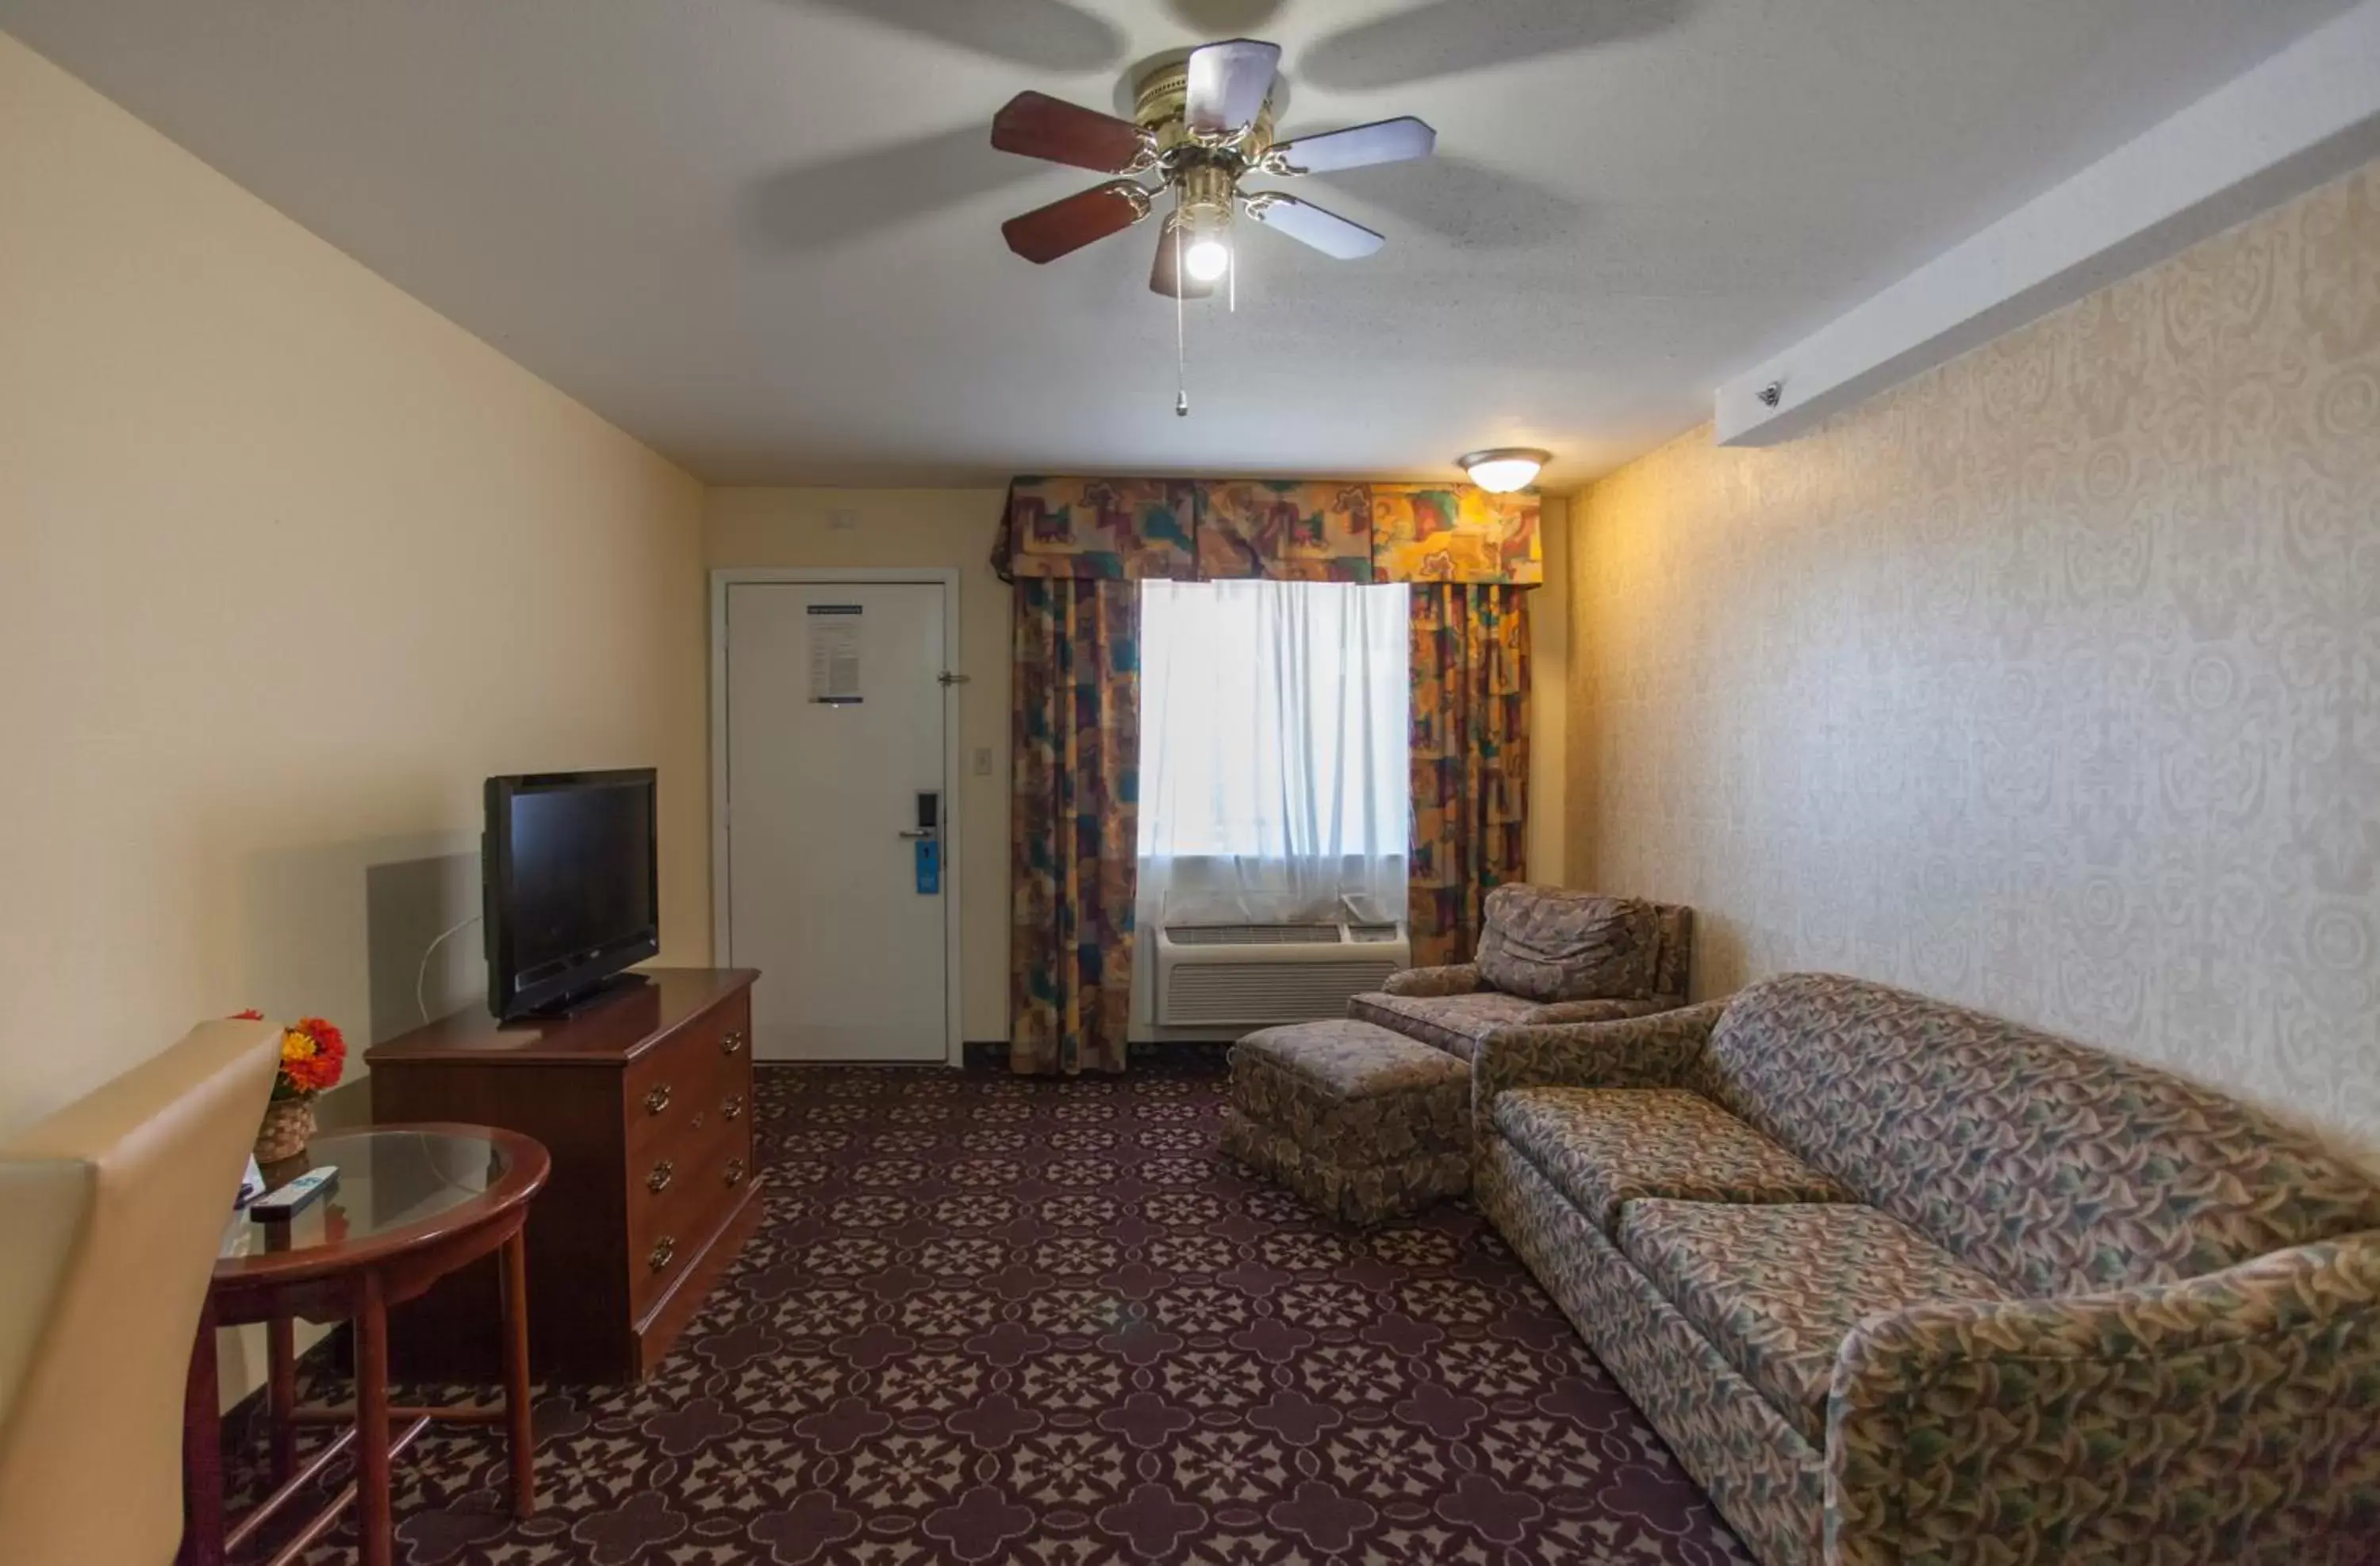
1502,470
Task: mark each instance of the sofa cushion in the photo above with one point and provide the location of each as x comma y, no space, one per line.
1549,944
2055,1168
1453,1023
1601,1147
1776,1289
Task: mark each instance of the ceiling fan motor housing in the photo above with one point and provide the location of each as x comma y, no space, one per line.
1204,169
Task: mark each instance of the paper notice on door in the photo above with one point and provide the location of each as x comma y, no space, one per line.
834,654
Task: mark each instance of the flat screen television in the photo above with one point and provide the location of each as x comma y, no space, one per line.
571,885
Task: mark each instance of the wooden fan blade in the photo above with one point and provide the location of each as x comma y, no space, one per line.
1034,125
1163,276
1382,142
1044,233
1228,83
1309,224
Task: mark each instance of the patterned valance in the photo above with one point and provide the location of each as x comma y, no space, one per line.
1421,533
1129,530
1285,532
1222,529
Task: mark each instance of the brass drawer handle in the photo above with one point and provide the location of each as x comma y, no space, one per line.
733,1108
658,1180
736,1171
731,1042
657,1099
659,1256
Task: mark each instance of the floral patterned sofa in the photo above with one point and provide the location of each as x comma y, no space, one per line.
1586,958
1900,1282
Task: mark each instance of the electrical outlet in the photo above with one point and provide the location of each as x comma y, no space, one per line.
983,760
842,521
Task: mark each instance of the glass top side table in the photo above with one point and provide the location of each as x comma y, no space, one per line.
412,1204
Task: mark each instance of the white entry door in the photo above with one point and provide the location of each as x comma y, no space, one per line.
836,748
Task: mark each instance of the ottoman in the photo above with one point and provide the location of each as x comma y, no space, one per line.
1362,1123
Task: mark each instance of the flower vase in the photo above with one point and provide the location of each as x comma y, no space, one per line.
289,1126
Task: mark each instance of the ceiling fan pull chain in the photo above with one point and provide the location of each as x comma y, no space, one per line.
1181,339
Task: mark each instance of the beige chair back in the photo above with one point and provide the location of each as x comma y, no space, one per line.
113,1211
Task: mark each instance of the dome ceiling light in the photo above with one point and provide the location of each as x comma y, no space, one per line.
1502,470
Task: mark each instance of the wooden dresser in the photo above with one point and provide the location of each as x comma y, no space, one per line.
645,1101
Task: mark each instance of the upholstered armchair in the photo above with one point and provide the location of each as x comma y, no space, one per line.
114,1210
1545,956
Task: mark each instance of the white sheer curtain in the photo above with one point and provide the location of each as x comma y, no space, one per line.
1273,753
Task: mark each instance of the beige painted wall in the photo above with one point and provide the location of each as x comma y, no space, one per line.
2048,683
957,527
290,565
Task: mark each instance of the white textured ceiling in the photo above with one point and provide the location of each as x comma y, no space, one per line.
763,234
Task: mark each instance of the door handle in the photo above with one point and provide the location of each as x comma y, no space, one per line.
925,832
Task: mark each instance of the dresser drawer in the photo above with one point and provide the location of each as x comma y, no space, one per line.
662,1174
676,1088
679,1200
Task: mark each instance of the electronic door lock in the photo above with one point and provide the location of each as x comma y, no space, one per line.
929,818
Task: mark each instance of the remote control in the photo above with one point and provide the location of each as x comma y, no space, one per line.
281,1206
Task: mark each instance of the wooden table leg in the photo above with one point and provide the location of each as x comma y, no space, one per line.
202,1491
520,1438
281,1392
374,1535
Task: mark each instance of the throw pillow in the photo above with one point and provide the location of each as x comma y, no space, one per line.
1546,945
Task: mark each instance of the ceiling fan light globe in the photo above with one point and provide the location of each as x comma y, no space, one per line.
1207,258
1501,472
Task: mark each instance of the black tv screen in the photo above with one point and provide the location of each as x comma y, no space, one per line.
571,885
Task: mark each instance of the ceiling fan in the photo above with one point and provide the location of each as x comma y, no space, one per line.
1199,125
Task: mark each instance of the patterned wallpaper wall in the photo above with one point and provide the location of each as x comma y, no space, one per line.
2049,682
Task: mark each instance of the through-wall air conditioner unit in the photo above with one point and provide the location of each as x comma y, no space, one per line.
1257,975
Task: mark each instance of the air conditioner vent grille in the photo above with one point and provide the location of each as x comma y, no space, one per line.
1249,994
1254,935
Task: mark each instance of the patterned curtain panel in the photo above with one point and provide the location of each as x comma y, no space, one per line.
1074,822
1470,758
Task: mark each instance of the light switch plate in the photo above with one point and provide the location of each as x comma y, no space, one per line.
983,760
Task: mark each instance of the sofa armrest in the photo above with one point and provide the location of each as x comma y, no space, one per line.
1455,978
1561,1012
2228,1417
1654,1051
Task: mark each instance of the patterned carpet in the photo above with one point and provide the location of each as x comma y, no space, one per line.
1009,1323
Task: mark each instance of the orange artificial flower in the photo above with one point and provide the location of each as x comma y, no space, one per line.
313,1057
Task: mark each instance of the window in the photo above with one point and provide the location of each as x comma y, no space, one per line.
1273,751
